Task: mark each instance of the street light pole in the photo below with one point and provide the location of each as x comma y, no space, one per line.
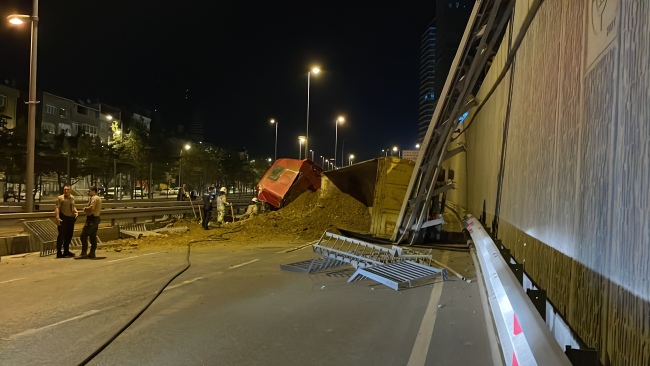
276,138
315,70
301,139
336,137
31,111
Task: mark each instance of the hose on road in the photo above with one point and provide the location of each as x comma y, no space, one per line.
107,343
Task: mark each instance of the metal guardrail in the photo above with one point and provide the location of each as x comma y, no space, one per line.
13,219
524,336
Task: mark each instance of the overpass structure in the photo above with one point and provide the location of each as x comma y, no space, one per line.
554,157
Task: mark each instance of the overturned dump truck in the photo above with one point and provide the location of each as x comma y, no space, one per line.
380,184
287,179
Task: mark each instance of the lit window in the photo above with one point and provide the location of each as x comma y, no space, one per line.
65,128
50,109
48,128
89,130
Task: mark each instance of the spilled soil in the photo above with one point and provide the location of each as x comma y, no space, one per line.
305,219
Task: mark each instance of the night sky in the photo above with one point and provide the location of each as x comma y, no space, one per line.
242,62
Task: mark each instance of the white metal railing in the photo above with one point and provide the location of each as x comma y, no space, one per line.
523,334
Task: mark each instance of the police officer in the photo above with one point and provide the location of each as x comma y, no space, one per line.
93,209
207,207
66,215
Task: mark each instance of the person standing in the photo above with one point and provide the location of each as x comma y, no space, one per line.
92,210
182,193
220,202
207,208
66,215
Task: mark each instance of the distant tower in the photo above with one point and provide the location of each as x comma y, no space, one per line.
195,128
427,78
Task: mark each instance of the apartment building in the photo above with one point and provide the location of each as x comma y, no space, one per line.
8,106
57,115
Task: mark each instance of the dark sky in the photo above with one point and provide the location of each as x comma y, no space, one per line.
243,62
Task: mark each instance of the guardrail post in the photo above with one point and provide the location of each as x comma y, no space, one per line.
582,357
518,270
538,297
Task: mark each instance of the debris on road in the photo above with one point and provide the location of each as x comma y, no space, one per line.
394,267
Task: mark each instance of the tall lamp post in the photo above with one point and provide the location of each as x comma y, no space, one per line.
301,139
350,161
312,154
315,70
31,127
336,137
180,169
276,138
395,150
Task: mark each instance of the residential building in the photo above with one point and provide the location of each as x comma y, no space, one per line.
427,78
8,107
135,115
57,115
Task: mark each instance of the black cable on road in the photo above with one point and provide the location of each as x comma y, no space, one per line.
107,343
511,56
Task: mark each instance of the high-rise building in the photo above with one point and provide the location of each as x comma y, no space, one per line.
451,21
439,44
427,78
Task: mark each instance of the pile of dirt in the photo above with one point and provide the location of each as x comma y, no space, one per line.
304,219
307,217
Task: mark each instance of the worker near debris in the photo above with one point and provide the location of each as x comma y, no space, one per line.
182,193
93,209
251,210
66,215
207,207
220,203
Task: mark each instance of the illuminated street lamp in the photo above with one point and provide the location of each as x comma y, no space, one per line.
18,19
417,146
336,138
301,139
350,160
315,70
312,154
276,138
180,168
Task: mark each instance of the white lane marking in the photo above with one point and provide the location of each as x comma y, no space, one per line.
243,264
15,279
135,256
423,340
489,325
297,248
32,331
184,283
190,281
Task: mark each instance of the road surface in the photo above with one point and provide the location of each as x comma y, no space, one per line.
234,306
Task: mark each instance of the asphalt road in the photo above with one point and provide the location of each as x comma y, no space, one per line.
232,307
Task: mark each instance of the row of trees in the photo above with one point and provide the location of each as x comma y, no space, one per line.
131,155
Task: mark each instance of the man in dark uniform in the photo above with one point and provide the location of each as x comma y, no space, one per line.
93,210
66,215
207,207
